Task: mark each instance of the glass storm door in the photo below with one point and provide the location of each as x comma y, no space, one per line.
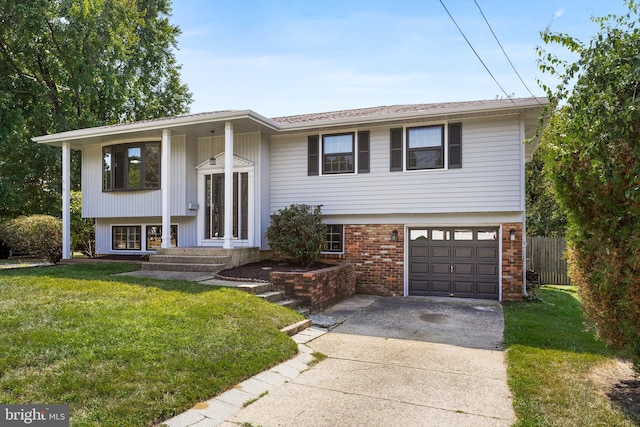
214,209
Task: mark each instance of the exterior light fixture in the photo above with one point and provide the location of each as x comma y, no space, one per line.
512,235
212,161
394,236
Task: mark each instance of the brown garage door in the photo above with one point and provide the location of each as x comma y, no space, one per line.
455,261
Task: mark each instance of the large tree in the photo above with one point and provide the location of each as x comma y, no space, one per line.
69,64
593,143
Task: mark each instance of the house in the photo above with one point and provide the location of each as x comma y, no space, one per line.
424,199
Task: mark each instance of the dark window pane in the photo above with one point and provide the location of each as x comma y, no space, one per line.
425,159
106,168
134,159
152,165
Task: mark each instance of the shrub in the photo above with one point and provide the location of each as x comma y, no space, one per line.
298,232
83,231
37,235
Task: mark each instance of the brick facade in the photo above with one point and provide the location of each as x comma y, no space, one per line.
379,260
512,263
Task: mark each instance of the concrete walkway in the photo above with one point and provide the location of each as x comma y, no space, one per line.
390,362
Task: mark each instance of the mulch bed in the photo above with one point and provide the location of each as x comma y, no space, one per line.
259,271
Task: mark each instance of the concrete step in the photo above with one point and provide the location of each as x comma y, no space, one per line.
272,296
289,303
190,259
160,266
254,288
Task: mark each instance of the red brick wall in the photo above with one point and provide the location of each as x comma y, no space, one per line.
379,261
319,289
512,263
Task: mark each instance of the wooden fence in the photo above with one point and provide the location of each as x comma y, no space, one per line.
546,256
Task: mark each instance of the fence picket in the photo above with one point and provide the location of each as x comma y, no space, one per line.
546,256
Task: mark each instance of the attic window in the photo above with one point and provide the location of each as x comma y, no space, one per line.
127,167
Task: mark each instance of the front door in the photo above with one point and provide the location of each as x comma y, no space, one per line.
214,207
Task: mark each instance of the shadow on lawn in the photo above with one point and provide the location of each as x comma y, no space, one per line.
108,271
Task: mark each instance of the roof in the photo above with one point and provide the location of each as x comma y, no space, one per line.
203,124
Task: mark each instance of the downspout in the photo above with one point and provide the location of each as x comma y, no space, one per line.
66,200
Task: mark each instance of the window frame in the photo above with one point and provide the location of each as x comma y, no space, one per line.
174,236
116,178
351,153
333,230
450,147
411,152
127,234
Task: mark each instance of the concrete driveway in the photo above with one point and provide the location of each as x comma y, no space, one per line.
397,361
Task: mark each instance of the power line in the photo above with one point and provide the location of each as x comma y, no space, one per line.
505,53
474,51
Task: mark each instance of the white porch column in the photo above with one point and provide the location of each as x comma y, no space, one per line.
228,185
165,184
66,200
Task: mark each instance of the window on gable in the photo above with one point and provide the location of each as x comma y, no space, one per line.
337,153
334,239
131,167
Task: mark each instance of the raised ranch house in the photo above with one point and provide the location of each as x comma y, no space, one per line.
423,199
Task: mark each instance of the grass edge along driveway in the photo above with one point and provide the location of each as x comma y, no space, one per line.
124,351
550,357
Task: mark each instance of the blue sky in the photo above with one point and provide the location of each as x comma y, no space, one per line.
282,57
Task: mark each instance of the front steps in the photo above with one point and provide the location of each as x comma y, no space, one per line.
264,291
200,259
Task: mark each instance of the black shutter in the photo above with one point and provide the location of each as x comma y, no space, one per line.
455,145
363,151
313,151
396,150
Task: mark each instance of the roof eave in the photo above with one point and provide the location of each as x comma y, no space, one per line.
167,123
455,110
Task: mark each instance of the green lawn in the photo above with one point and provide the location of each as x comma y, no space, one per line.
125,351
550,355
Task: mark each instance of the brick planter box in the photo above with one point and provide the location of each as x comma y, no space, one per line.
317,289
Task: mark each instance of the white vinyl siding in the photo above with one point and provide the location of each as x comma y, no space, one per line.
100,204
489,180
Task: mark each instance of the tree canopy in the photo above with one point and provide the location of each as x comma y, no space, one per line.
593,156
68,64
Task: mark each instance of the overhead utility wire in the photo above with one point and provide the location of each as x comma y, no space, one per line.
474,51
505,53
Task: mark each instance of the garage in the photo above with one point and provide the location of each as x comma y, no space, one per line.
454,261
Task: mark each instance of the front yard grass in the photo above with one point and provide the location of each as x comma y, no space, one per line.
124,351
550,357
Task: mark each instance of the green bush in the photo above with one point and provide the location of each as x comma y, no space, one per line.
83,230
298,232
37,235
